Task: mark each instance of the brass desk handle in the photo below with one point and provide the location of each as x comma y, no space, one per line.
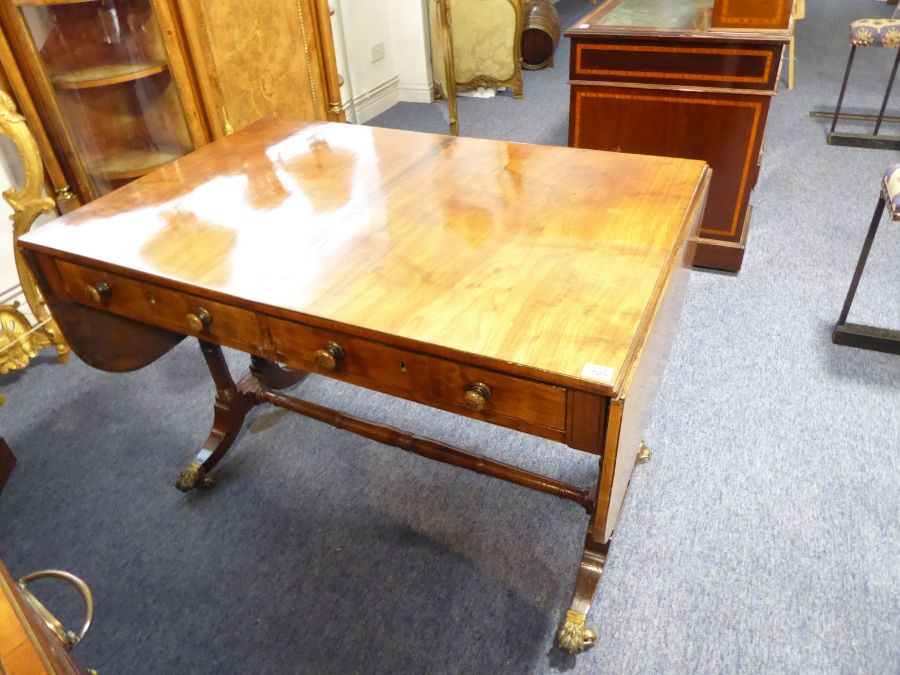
67,637
477,395
199,320
330,356
96,292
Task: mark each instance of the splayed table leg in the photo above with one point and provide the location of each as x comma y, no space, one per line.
575,636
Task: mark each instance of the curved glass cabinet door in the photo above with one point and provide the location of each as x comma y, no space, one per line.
106,79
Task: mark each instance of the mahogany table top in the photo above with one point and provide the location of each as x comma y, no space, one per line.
550,259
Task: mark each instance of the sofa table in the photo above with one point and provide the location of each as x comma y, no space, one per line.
531,287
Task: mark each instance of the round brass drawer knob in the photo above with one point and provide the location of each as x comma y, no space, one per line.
477,395
330,356
199,320
96,292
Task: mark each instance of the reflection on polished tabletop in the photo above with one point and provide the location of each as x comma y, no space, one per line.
542,257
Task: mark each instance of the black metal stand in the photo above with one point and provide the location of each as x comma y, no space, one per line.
872,140
858,335
856,117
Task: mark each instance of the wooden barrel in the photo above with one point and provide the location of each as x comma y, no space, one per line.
540,35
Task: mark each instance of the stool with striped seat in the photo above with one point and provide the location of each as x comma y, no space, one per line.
858,335
869,33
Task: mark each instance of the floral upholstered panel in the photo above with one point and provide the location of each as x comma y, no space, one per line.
876,33
486,37
891,189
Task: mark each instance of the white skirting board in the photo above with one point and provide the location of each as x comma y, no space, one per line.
416,92
368,104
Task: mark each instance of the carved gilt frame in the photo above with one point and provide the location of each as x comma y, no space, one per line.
19,340
448,90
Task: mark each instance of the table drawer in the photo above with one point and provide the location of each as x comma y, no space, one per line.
437,382
704,64
164,307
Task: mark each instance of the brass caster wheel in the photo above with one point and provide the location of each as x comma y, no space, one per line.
645,454
574,636
194,476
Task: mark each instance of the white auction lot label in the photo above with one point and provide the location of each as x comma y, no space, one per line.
592,371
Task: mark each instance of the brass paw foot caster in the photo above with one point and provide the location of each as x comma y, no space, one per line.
574,637
194,476
645,454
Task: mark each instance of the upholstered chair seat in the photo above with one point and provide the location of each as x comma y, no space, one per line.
891,189
869,33
876,33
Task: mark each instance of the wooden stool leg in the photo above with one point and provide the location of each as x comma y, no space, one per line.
861,264
574,636
232,405
837,110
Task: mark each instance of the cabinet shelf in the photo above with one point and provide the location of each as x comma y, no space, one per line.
106,75
130,164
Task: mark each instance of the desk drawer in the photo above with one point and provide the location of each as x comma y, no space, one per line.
702,64
437,382
163,307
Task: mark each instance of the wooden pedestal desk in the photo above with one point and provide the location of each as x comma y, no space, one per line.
657,77
531,287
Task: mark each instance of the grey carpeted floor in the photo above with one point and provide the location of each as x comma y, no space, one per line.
763,536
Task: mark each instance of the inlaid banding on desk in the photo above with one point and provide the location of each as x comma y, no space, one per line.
709,65
743,118
751,14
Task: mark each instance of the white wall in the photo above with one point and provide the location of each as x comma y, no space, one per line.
10,168
411,46
11,174
404,74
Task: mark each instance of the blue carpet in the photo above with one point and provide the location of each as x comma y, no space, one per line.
763,536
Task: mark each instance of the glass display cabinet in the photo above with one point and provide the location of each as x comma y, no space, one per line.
113,89
100,70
